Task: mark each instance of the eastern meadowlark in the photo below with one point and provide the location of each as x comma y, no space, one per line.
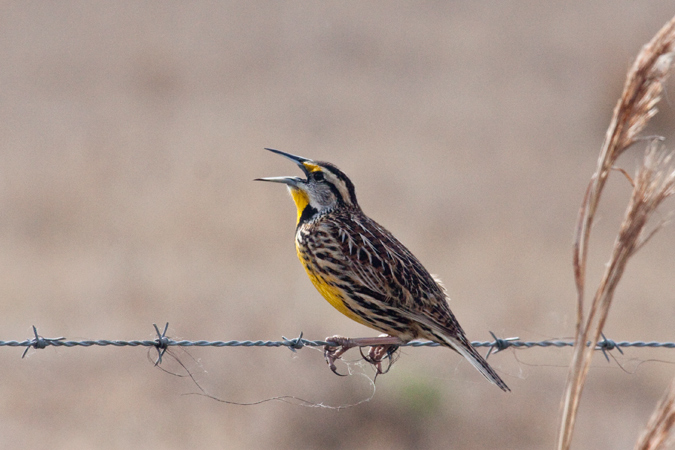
365,272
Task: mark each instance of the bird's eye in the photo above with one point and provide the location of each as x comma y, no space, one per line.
318,176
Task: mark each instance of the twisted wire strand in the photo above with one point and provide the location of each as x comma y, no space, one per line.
302,343
162,342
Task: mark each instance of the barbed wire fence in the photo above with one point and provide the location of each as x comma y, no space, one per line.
162,343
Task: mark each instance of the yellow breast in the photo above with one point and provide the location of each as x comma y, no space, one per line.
333,294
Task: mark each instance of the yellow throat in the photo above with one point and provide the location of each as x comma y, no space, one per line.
301,201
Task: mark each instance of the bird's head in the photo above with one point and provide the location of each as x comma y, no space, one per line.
326,188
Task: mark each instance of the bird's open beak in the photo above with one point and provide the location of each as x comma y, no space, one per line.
291,181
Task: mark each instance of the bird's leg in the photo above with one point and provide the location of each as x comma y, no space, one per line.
381,346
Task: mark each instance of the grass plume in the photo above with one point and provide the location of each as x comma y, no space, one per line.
654,182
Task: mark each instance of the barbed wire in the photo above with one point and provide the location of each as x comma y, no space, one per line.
162,343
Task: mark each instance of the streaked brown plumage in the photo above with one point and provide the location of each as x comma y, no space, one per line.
363,270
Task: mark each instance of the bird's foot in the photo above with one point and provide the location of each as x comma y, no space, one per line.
333,352
381,348
377,354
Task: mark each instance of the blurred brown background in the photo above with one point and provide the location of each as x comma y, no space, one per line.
131,132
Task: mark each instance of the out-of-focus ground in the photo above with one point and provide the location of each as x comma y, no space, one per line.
131,132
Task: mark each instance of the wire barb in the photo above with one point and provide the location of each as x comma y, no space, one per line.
500,344
294,344
39,342
162,342
607,345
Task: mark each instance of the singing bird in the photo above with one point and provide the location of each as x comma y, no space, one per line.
365,272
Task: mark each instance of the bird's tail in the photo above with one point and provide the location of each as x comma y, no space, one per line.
462,346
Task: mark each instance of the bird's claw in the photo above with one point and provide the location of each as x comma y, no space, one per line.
377,354
333,353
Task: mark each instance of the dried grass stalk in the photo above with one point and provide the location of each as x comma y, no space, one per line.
657,433
653,184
